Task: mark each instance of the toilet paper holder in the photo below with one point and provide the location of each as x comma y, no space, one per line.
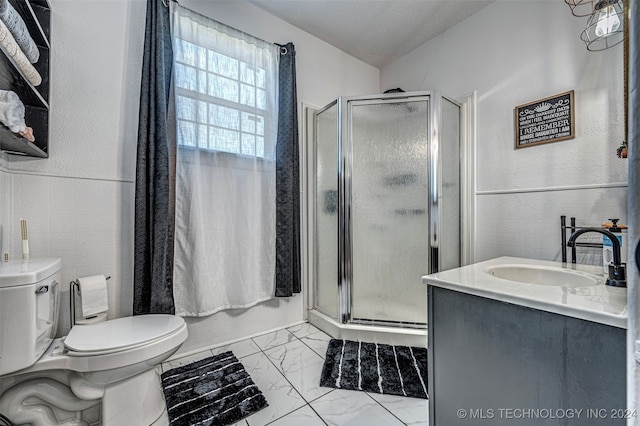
74,286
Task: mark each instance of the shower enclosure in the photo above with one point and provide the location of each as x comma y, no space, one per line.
386,209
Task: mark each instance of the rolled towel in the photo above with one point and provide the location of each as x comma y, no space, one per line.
19,30
12,114
12,49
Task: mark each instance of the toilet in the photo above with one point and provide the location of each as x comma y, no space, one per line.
111,364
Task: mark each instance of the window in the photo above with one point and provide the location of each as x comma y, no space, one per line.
222,102
226,87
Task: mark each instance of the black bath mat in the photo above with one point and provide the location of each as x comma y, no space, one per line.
371,367
213,391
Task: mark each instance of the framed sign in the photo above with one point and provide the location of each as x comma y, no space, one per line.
546,120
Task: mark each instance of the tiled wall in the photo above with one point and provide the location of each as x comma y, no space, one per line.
534,221
5,201
86,222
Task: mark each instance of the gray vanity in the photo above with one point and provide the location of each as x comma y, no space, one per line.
525,342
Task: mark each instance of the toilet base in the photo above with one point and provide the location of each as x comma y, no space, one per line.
163,420
135,401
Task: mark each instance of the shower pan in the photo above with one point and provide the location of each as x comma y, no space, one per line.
386,211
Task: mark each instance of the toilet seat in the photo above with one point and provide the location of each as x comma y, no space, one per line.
59,357
120,334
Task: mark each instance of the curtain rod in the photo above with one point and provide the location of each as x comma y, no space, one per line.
283,50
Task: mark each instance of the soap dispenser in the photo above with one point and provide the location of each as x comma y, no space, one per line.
607,249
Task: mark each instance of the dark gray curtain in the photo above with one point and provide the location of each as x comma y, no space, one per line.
287,179
154,201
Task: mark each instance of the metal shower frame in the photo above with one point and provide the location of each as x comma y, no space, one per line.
344,155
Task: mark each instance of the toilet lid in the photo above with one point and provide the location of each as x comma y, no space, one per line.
121,333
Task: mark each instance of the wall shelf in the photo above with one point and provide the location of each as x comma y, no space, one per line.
36,15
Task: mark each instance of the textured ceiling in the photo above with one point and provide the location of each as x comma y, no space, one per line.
374,31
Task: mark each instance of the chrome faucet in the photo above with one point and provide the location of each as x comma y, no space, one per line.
617,271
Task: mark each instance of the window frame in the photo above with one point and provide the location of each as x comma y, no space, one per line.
244,111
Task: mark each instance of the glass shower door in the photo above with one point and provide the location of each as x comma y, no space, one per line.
325,291
389,212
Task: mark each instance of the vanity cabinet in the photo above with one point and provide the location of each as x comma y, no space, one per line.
37,17
498,363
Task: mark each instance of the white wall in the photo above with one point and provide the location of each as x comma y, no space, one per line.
323,72
79,202
513,53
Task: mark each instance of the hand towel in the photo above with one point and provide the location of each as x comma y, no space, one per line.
93,292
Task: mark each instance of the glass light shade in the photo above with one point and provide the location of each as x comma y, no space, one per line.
608,22
604,26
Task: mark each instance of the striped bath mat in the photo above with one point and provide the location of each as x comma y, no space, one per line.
213,391
372,367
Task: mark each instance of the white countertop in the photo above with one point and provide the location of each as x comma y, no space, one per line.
597,302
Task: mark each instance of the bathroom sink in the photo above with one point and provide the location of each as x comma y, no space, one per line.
543,275
572,290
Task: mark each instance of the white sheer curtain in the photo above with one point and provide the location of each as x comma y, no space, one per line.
226,111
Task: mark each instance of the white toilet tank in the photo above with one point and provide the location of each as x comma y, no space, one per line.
29,303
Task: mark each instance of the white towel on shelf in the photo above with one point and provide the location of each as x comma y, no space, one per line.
12,111
93,292
12,114
12,49
19,30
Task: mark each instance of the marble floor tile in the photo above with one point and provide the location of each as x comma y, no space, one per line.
304,416
342,407
302,330
178,362
280,395
301,366
318,342
287,364
271,340
239,349
411,411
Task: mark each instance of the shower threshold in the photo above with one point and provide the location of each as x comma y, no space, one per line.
399,336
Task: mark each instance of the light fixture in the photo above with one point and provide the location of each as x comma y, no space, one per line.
608,22
581,8
604,26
